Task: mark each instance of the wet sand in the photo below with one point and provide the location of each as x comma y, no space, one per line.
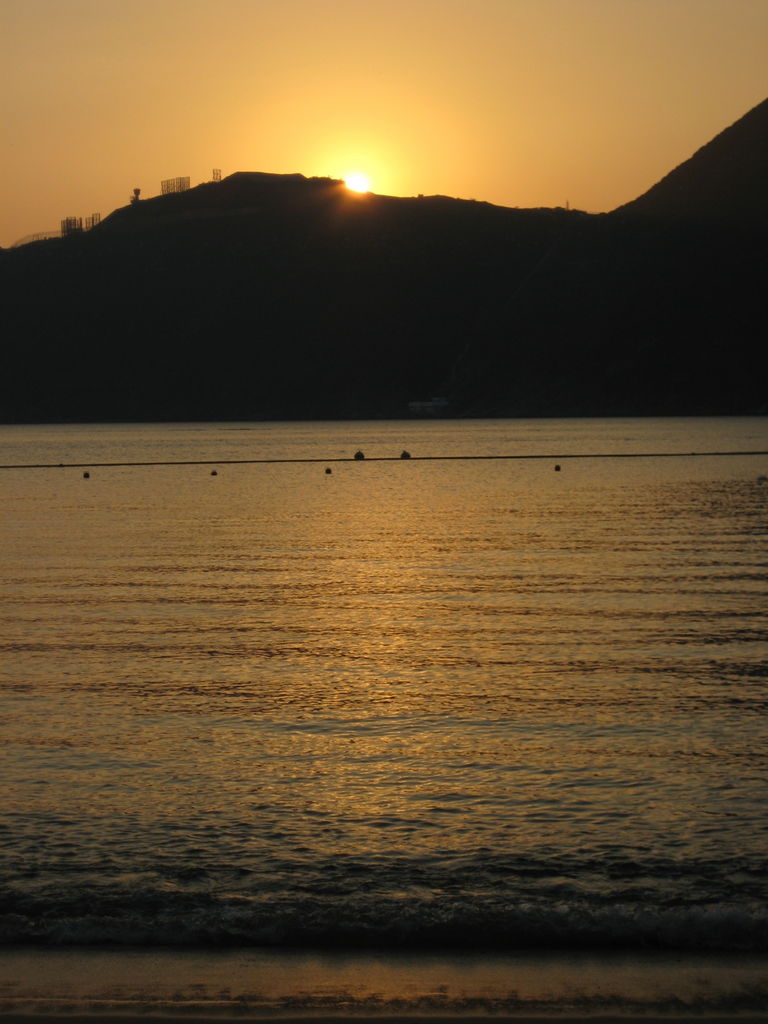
95,1018
196,986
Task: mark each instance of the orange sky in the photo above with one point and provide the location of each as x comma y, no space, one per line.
518,102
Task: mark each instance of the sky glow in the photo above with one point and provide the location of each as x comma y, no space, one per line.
517,102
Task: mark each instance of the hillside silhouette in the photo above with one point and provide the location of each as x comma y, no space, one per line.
725,181
270,296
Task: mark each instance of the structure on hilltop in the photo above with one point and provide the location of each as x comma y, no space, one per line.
171,185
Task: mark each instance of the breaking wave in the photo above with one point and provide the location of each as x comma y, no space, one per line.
180,920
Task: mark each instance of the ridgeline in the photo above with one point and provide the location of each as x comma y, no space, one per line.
281,297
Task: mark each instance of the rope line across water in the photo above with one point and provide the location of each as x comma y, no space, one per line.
381,458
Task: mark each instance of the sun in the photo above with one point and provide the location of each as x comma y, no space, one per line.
356,181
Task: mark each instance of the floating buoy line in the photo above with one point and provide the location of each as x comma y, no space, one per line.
359,457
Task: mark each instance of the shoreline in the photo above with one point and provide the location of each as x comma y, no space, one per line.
203,987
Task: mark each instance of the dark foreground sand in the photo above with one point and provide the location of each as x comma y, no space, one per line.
559,1019
46,986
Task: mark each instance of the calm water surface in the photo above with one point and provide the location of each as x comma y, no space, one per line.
407,704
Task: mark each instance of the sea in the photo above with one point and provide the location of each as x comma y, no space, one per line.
474,724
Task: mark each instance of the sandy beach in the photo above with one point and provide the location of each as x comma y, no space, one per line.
592,1019
134,985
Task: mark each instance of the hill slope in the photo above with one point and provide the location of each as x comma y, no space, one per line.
725,181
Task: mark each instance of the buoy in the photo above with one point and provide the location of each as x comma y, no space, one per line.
359,455
405,454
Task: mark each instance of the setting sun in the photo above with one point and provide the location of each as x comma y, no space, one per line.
357,182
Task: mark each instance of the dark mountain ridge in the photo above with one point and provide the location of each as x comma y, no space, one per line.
279,296
725,181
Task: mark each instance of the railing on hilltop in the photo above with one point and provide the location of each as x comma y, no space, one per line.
38,236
